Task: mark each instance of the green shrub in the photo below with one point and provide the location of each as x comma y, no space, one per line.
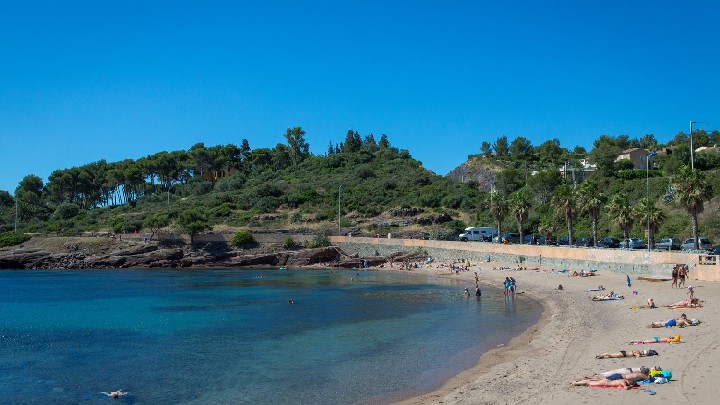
66,211
12,239
289,243
242,237
320,240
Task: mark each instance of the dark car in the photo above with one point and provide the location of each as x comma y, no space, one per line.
533,239
716,250
585,241
609,242
550,240
564,240
507,238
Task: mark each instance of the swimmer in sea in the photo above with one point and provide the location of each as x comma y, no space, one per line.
115,394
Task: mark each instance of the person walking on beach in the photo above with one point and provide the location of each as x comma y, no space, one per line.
682,273
674,275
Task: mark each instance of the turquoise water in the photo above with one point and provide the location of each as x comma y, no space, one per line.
231,336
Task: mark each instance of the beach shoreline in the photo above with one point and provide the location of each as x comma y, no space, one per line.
543,361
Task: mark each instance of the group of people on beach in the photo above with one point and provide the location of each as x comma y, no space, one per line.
628,377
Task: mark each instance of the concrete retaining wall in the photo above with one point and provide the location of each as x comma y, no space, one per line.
559,257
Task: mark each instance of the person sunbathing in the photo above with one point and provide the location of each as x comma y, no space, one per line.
626,381
609,296
682,322
672,339
627,353
624,371
691,303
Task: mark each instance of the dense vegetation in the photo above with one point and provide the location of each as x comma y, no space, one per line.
230,187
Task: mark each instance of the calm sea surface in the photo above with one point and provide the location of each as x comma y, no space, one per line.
230,336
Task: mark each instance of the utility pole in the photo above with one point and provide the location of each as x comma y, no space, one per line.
339,209
16,213
692,149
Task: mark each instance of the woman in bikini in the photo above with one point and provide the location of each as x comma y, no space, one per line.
691,303
672,339
627,353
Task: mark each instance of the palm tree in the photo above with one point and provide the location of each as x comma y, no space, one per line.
565,202
691,191
547,226
648,213
519,205
621,214
590,200
499,209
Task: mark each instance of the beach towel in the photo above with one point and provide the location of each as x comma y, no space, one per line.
614,388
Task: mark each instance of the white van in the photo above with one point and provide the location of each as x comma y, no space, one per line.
478,233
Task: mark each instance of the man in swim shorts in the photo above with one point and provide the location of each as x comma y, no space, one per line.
616,380
623,371
682,321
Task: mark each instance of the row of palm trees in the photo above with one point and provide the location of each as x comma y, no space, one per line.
689,188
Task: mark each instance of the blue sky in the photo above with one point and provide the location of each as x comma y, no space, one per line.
82,81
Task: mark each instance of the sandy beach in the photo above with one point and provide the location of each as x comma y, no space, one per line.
540,365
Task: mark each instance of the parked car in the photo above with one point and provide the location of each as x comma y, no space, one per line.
564,240
609,242
716,250
507,238
478,233
703,243
586,241
549,240
633,243
668,244
533,239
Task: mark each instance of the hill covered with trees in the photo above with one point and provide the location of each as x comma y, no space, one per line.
379,188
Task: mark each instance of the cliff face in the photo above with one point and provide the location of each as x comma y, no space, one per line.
473,171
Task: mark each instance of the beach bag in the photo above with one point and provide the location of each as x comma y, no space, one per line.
667,374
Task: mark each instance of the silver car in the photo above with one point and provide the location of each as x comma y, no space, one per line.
703,244
633,243
668,244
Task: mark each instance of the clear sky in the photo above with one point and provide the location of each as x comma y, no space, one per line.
82,81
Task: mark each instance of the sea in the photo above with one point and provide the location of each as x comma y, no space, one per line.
235,337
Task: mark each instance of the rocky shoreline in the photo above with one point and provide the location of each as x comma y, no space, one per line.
153,255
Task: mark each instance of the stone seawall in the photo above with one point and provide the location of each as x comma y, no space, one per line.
621,261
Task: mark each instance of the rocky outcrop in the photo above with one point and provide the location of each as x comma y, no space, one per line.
307,257
406,211
153,256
